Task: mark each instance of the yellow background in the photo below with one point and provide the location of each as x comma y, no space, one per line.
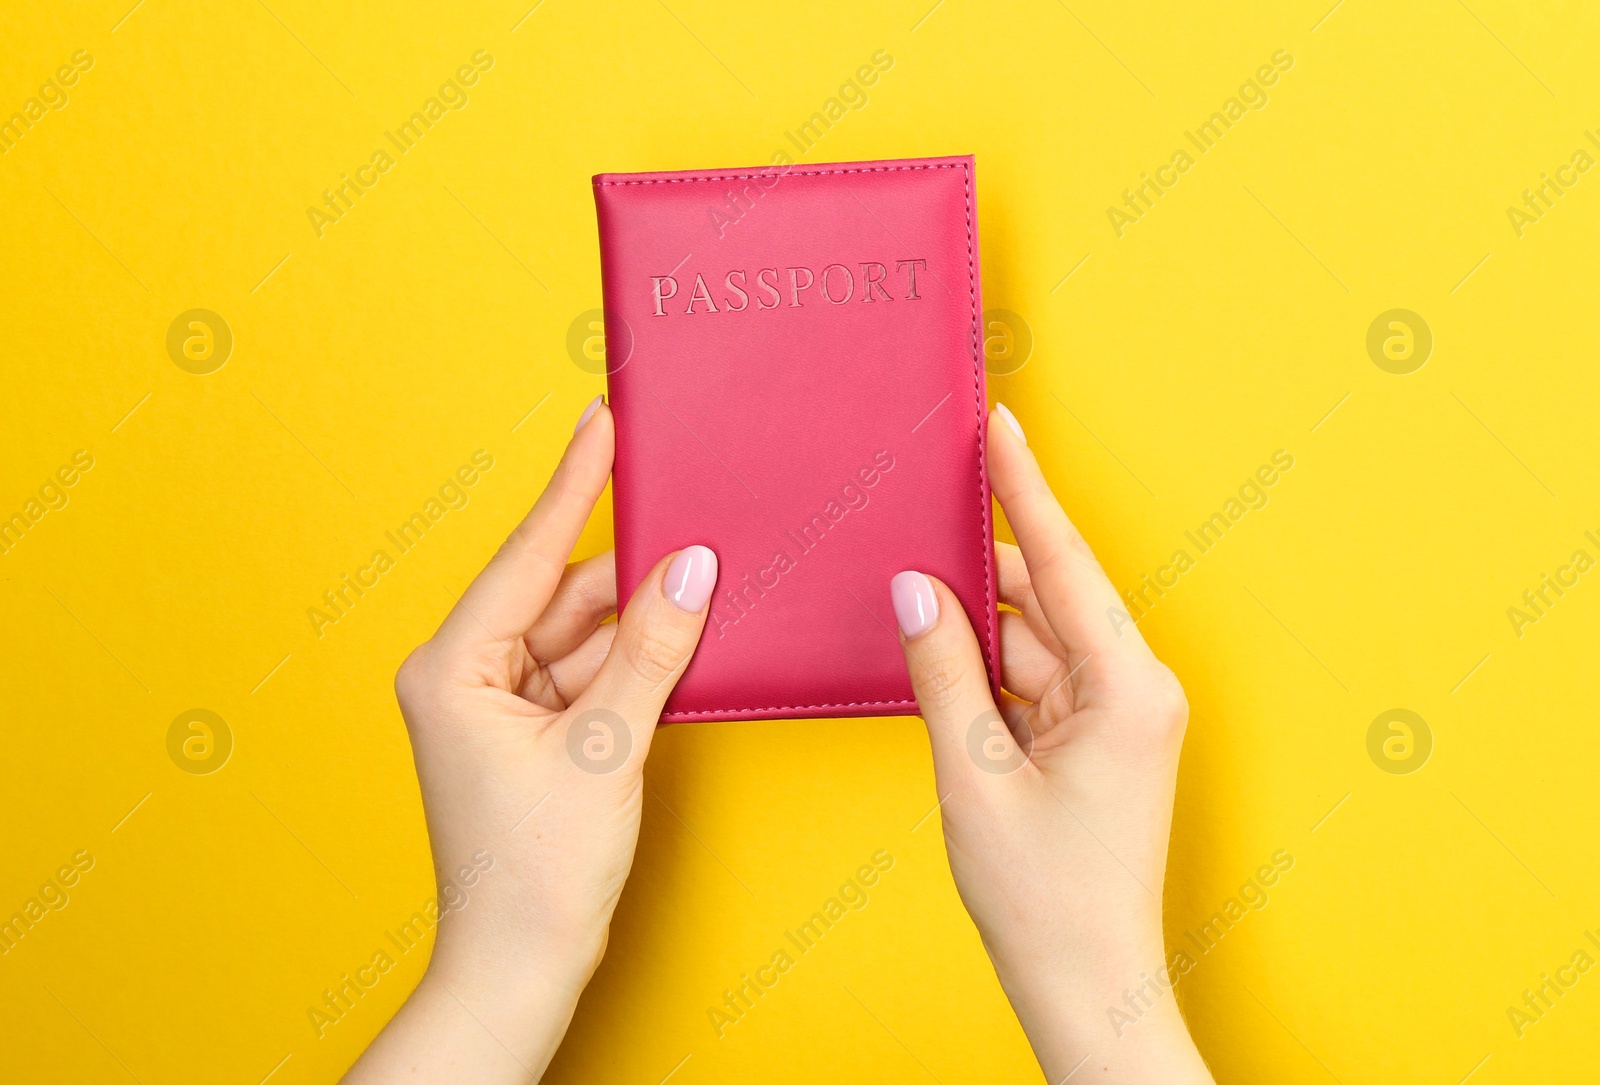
369,363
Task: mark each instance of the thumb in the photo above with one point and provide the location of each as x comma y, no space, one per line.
952,687
656,636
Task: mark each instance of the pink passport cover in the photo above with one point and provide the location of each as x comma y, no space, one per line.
795,366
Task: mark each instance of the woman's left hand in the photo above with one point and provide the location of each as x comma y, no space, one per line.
530,718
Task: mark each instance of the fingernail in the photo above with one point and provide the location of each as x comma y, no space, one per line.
1005,412
916,608
594,405
690,578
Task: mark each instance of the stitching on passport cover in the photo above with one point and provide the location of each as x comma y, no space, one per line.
797,172
788,708
979,406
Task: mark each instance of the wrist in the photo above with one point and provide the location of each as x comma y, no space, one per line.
524,1011
513,968
466,1023
1126,1041
1155,1051
1118,1011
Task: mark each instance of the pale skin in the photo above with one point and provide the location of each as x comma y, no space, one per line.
1059,861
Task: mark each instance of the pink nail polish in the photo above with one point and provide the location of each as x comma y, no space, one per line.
1011,420
588,412
690,578
916,607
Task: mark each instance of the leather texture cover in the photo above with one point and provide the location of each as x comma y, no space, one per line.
795,364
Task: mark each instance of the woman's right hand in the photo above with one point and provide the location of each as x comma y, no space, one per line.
1057,804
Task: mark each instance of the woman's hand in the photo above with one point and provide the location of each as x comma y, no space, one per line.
1057,807
530,721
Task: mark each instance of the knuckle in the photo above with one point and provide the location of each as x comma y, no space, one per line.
655,653
1080,548
518,537
1058,699
1072,535
539,687
418,682
593,599
526,538
1031,489
944,679
1169,705
1071,547
411,680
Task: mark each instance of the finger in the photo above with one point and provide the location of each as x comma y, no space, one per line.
1018,715
1016,591
555,685
585,597
1026,666
511,592
947,673
1074,593
656,636
571,674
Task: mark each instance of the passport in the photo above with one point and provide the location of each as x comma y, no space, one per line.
794,360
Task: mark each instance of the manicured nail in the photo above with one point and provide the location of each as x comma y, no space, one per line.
594,405
916,608
690,578
1005,412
